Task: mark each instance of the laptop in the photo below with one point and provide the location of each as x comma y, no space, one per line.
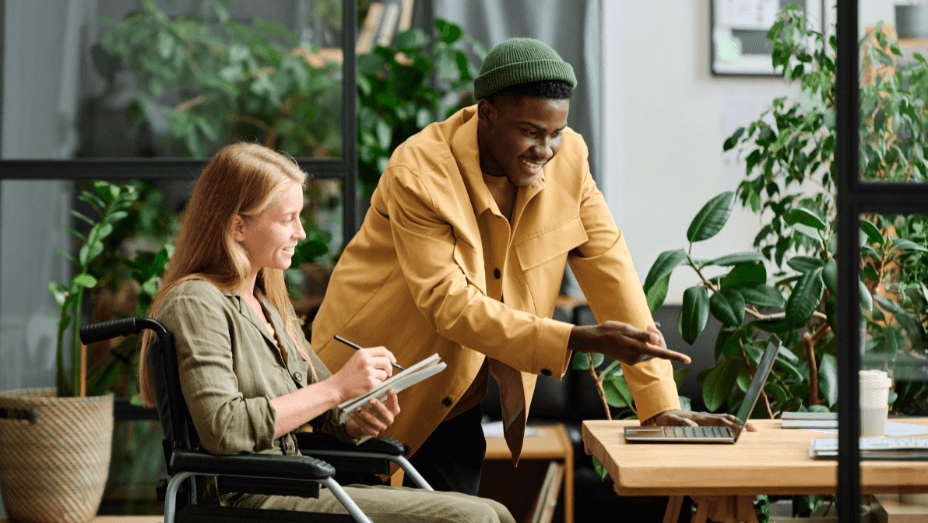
706,434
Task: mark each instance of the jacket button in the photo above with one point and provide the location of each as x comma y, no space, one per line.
446,402
545,372
298,376
497,274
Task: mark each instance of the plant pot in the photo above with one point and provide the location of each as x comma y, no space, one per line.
912,20
53,467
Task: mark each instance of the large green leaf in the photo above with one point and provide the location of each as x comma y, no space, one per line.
805,263
805,217
84,280
711,218
748,273
828,378
866,299
773,325
657,293
617,392
907,245
805,298
448,32
737,259
761,295
805,230
666,262
873,233
695,312
830,276
718,384
728,306
581,361
679,375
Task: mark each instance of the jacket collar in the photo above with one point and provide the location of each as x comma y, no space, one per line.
466,151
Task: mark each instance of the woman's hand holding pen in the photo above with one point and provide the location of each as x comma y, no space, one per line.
364,370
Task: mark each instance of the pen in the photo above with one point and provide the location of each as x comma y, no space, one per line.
358,347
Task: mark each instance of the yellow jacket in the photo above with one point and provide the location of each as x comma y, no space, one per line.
426,272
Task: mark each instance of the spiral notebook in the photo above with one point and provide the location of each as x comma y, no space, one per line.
424,369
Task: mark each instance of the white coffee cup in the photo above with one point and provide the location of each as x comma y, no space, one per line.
874,402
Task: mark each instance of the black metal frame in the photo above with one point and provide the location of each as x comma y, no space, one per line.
854,198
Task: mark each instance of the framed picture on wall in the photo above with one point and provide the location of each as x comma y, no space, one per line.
739,33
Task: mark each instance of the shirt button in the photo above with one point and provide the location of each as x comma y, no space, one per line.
298,376
497,274
446,402
545,372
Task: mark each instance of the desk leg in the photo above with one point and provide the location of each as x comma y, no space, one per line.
745,509
674,505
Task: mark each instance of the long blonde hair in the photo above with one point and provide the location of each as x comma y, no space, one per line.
242,179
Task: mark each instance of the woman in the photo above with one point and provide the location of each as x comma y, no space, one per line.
247,373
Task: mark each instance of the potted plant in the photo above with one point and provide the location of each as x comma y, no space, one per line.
55,442
787,284
417,80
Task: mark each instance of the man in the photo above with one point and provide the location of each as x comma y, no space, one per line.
462,254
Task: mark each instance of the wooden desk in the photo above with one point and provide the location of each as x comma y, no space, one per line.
771,461
552,444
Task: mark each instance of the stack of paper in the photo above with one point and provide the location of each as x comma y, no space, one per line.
881,448
409,377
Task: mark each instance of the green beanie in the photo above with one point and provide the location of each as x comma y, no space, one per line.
520,61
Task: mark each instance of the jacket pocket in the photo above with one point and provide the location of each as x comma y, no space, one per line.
470,260
547,245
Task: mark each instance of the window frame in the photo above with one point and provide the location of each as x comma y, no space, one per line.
855,197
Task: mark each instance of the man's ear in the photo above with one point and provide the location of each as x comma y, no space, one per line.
486,111
237,228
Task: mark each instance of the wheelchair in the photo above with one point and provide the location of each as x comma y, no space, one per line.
246,473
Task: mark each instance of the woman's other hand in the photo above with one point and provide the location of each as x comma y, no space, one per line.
374,417
363,371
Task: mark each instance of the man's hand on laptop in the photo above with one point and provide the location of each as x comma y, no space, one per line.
620,341
683,418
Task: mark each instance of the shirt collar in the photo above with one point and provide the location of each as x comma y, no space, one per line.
466,152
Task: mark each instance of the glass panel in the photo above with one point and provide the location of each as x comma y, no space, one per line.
893,90
33,217
894,359
110,78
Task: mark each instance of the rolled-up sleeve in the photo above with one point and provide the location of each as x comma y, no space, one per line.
226,421
603,268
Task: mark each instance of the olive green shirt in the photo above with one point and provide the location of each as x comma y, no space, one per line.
231,366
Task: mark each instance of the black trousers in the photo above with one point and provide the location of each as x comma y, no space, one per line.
452,457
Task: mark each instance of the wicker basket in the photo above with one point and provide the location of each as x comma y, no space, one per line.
53,467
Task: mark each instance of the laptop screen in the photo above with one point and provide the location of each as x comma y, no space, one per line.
757,384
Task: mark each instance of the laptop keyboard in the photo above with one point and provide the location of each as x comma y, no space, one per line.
698,432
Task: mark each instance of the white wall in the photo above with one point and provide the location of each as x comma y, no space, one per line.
665,119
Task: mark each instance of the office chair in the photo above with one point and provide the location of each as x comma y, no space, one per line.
245,473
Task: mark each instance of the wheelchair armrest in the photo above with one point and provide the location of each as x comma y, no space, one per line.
310,441
262,465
